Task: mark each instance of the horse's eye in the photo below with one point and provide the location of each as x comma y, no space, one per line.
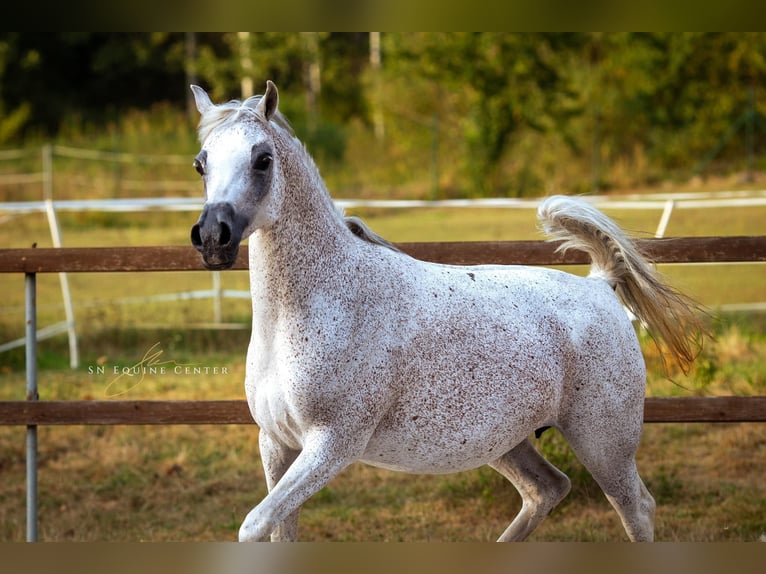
262,162
199,167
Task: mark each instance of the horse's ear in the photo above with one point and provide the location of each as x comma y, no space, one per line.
270,100
201,99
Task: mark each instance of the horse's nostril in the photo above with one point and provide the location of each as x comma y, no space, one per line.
196,238
225,235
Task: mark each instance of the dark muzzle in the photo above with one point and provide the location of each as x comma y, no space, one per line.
217,234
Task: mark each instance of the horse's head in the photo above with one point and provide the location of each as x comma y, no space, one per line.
237,165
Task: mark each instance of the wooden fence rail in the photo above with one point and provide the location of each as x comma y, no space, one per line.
135,259
224,412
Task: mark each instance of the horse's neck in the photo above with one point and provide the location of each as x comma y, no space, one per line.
307,243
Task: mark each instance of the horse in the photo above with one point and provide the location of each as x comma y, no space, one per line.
361,353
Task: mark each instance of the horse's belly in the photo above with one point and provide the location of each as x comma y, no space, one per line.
451,438
400,453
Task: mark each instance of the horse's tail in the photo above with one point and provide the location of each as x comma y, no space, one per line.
669,315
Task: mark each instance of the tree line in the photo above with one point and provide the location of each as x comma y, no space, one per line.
653,102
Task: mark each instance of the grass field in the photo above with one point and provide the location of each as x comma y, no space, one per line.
197,483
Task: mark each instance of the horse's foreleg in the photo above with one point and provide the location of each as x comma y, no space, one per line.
541,486
276,459
323,457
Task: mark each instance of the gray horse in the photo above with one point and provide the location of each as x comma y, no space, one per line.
362,353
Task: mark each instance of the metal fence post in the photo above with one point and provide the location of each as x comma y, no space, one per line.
31,365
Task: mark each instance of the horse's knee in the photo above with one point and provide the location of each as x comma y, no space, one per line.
550,481
250,533
257,526
551,488
541,485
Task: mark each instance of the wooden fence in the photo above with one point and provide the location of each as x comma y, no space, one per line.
147,259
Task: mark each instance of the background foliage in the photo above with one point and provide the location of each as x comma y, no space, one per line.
471,113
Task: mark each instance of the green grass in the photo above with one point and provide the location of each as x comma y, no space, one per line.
197,483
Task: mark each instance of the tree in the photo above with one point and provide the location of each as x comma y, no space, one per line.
709,85
95,75
511,82
11,121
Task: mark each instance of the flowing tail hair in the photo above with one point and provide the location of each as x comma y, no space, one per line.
669,315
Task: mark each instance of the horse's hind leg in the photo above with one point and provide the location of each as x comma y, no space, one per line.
541,486
608,452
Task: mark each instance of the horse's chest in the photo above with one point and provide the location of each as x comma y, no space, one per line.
274,413
291,390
